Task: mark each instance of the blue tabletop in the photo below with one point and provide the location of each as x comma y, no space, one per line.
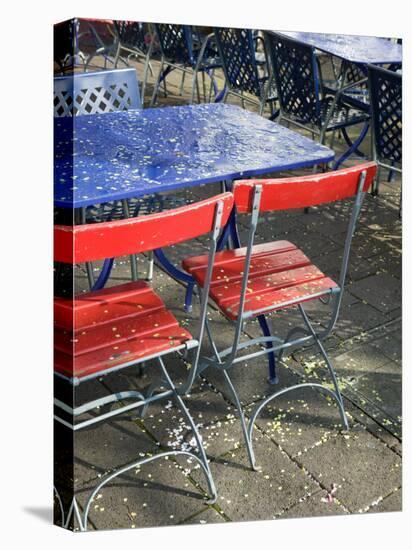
357,49
118,155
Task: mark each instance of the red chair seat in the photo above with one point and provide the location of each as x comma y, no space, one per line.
280,275
100,330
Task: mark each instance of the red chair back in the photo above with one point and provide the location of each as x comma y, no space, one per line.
303,191
86,243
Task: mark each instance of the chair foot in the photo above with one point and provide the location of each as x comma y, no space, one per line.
274,380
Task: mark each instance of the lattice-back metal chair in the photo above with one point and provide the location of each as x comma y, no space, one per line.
245,73
302,97
136,39
182,48
96,93
103,332
386,107
262,279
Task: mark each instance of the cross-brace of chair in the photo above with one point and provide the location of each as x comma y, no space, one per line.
103,332
260,279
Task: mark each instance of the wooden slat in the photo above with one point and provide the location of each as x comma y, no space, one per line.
279,272
99,330
105,306
300,192
86,243
278,298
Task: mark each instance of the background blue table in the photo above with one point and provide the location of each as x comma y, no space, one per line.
355,49
100,158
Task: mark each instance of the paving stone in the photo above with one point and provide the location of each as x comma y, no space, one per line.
362,467
160,494
210,515
299,420
390,346
391,503
384,388
381,291
215,419
357,318
358,360
315,505
246,495
108,445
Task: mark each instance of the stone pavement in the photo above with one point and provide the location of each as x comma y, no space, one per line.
309,467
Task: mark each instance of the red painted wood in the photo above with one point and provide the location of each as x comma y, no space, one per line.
299,192
83,243
106,305
279,273
100,330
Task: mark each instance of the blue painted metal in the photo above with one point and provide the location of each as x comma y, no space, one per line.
356,49
386,102
95,93
386,108
183,48
238,54
304,99
273,376
104,274
134,153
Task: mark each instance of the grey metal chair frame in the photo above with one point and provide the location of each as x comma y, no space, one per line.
165,388
226,359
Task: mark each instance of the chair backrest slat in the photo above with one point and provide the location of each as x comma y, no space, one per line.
297,78
386,102
86,243
95,93
237,52
303,191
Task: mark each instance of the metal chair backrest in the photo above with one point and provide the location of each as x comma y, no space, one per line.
176,43
237,52
132,34
385,88
90,242
297,78
97,92
254,196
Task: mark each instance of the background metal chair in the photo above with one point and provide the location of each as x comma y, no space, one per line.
182,48
386,108
303,99
103,332
261,279
136,39
97,93
246,70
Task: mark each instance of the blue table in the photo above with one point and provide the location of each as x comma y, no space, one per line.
120,155
113,156
352,48
101,158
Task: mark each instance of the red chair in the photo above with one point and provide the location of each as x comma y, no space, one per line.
260,279
104,331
